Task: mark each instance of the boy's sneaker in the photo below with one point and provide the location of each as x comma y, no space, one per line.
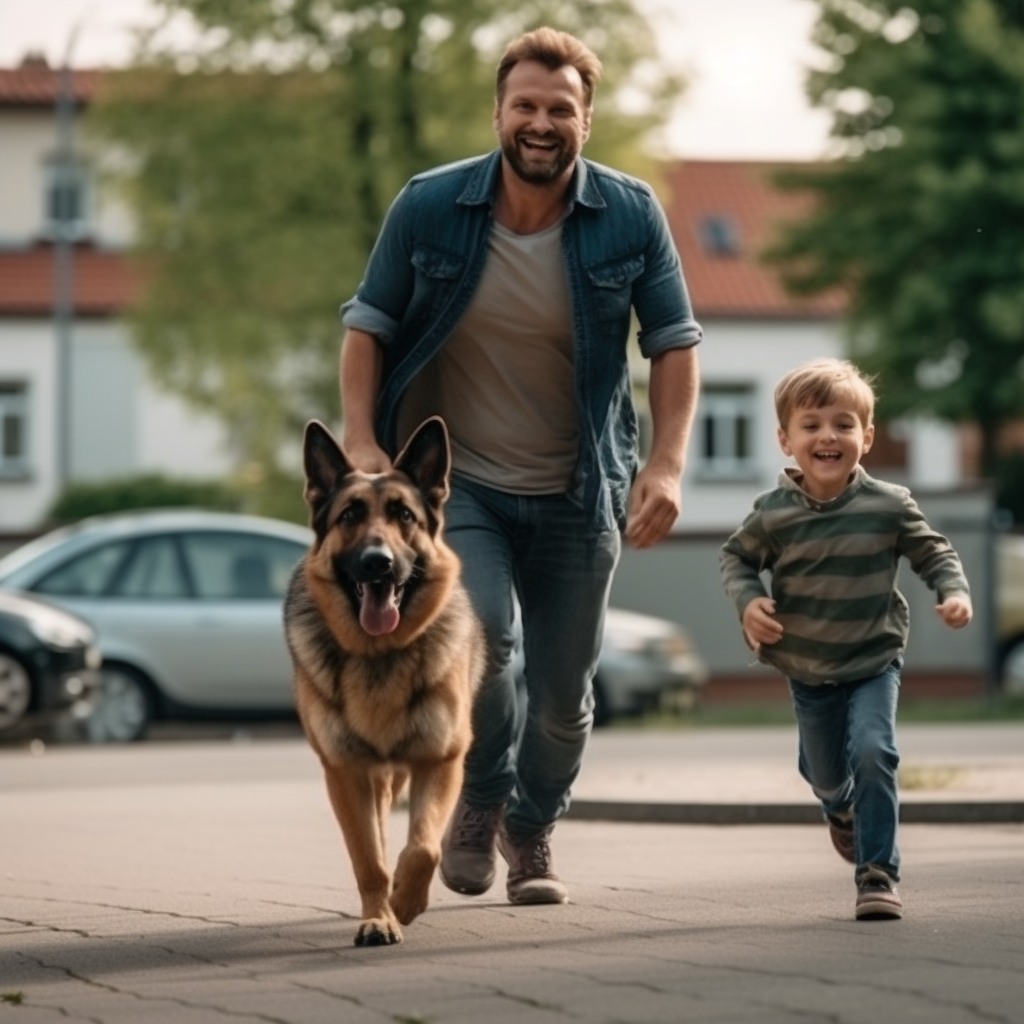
877,897
841,834
531,878
468,860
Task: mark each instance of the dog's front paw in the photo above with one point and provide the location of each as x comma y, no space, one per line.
409,902
378,932
413,875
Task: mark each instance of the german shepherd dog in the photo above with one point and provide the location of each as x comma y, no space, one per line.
387,656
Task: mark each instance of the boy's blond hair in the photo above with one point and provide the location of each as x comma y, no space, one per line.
824,382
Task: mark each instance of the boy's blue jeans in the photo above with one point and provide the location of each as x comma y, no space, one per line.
541,550
848,756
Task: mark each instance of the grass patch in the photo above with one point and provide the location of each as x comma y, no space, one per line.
735,714
917,777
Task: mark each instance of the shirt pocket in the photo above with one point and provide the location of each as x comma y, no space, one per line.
611,285
438,274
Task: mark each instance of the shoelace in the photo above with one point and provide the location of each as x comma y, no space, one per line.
540,857
475,827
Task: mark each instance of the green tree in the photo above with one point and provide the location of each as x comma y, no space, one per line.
260,165
918,218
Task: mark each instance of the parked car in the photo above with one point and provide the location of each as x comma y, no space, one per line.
186,605
646,664
1010,612
187,608
48,663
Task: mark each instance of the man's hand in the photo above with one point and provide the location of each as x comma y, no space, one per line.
654,505
759,623
367,457
955,611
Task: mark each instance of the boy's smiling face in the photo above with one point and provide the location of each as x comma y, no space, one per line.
827,444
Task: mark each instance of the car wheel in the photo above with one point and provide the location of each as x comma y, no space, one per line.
15,691
124,709
1012,668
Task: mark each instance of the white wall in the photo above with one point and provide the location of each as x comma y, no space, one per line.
28,140
121,424
740,352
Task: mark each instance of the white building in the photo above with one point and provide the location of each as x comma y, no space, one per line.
722,215
76,402
75,399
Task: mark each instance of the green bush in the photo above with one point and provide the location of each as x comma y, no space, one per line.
147,491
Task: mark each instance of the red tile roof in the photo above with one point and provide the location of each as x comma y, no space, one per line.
740,199
104,282
36,84
737,195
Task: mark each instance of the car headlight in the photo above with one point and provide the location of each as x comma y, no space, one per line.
58,631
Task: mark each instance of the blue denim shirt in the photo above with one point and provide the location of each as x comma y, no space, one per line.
620,257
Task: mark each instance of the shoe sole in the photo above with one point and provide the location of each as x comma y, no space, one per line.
877,911
538,899
463,889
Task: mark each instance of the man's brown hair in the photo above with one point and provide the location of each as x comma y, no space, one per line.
553,49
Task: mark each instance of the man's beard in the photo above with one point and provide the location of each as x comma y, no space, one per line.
562,158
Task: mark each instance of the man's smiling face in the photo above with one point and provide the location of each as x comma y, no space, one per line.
542,121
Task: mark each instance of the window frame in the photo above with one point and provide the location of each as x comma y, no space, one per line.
730,452
15,406
73,178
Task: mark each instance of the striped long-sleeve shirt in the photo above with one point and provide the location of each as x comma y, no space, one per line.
833,568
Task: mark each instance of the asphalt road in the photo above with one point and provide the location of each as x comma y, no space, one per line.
186,883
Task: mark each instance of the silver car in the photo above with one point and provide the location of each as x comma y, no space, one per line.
646,664
187,608
186,605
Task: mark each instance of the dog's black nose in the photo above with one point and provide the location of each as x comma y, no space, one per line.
375,562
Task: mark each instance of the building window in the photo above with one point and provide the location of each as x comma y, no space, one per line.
66,200
719,235
13,428
726,425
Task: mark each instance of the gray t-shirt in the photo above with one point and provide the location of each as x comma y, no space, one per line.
504,380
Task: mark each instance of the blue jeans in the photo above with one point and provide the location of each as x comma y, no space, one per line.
848,756
542,551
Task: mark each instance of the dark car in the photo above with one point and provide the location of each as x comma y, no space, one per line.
49,663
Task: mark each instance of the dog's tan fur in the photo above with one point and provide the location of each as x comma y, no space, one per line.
392,705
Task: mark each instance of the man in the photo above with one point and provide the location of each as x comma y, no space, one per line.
499,295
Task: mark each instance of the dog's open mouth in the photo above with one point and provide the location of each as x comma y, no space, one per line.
379,606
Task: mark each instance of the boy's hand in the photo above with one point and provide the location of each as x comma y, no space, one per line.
955,611
759,623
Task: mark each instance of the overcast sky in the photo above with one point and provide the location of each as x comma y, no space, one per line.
745,60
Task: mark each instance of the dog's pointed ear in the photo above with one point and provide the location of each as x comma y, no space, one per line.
325,465
427,461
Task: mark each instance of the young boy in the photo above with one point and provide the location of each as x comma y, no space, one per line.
835,624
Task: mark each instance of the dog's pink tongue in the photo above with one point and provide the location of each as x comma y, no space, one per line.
378,613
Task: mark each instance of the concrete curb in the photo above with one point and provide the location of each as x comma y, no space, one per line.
973,812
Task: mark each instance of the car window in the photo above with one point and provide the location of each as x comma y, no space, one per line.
239,565
153,571
88,575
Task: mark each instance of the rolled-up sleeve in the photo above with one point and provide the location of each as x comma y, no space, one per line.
661,299
361,316
383,296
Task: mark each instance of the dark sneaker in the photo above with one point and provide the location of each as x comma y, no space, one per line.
467,850
841,834
877,897
530,875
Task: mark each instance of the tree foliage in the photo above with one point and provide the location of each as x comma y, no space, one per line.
259,167
918,218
